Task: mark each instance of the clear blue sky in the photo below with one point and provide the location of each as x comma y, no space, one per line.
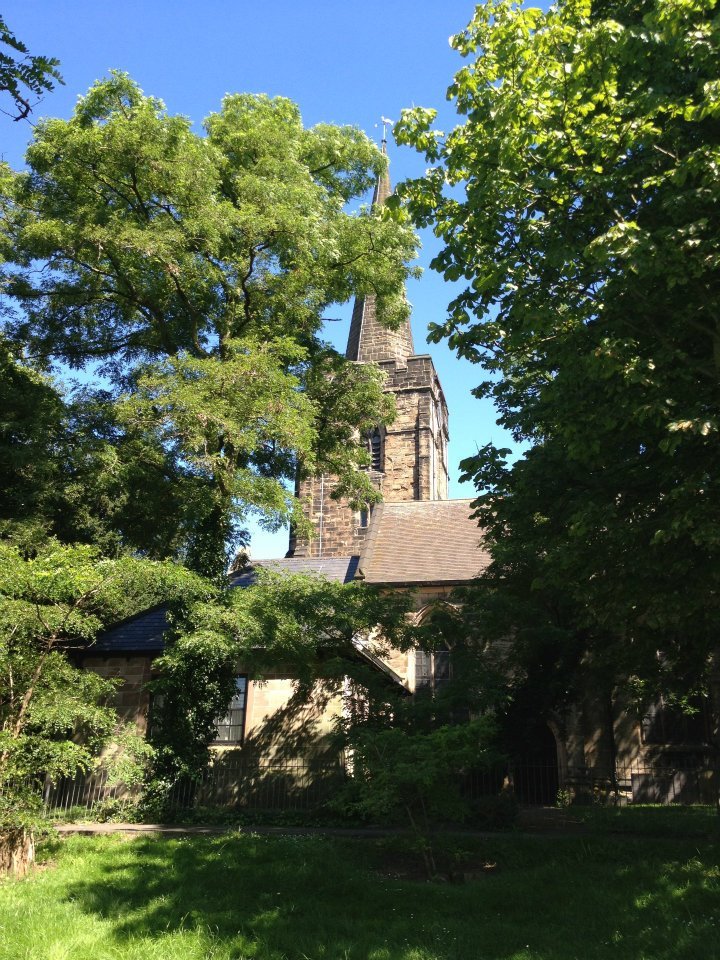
342,62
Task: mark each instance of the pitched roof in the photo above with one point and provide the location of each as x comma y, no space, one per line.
418,541
142,633
340,569
423,541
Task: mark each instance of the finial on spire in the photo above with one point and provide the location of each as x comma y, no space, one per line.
385,123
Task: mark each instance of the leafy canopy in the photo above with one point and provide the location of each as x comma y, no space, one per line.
310,627
194,272
577,203
54,717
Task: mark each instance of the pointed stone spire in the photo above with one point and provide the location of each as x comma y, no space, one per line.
368,340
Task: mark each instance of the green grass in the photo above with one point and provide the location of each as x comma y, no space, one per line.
298,898
651,821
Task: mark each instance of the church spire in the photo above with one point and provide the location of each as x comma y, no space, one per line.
368,340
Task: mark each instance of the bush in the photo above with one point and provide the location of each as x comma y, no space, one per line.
498,812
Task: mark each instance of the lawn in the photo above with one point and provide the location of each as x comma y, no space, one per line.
308,898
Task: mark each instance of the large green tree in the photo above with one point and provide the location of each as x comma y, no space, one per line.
409,753
578,206
194,273
305,624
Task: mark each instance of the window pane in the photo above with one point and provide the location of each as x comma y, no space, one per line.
230,728
442,665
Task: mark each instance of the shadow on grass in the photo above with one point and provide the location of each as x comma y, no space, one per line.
652,821
306,898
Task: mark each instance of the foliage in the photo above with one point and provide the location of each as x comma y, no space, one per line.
194,273
30,427
411,754
586,243
24,75
301,623
54,717
408,752
70,470
417,773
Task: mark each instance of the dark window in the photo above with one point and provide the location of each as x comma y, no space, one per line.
363,518
155,704
375,445
669,725
231,727
432,669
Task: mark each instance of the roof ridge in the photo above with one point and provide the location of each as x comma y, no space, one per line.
448,500
133,616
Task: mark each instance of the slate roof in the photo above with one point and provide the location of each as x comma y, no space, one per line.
423,541
142,633
339,569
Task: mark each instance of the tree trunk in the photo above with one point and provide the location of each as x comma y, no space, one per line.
17,852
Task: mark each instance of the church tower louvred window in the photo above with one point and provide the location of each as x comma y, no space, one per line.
375,445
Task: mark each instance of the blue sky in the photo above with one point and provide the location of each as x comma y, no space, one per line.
346,63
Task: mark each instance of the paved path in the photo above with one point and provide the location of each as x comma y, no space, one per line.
532,821
179,829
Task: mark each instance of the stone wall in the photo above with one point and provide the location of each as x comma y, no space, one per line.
338,528
278,723
132,700
283,724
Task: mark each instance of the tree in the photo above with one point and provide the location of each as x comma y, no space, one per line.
32,412
412,755
24,75
586,239
408,752
71,470
309,625
54,717
194,273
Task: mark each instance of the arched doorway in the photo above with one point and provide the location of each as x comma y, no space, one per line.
534,765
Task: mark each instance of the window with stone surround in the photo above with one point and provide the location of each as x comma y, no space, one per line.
231,727
432,669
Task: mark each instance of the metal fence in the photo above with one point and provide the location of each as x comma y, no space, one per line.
537,784
304,785
239,783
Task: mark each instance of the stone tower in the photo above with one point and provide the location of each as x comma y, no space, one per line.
409,457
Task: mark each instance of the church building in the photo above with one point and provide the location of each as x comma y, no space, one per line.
416,539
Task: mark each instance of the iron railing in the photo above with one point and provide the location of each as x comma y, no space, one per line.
240,783
304,785
640,781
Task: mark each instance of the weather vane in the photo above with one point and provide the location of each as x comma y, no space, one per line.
385,123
